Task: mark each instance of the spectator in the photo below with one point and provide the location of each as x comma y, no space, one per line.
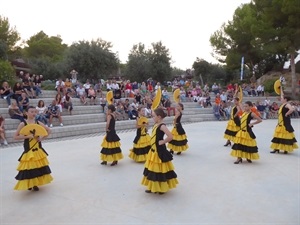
27,86
6,92
17,89
216,111
143,89
87,86
108,85
223,97
15,113
215,88
98,87
81,94
208,100
128,89
138,98
150,87
54,112
67,102
167,105
132,110
59,102
23,102
261,109
41,112
68,86
102,101
60,87
37,85
2,130
165,93
182,94
92,95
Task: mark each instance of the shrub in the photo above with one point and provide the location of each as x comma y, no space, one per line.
7,72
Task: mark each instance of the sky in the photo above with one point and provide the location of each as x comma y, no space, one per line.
184,27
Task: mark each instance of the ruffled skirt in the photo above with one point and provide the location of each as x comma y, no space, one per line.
231,130
158,176
179,142
33,170
140,150
110,151
244,146
284,140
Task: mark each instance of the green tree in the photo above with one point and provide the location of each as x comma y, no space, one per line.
278,29
8,38
138,65
7,72
92,60
41,45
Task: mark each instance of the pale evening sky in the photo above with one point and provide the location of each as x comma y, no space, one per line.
184,27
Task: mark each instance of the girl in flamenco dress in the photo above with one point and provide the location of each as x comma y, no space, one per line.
111,151
179,142
244,143
284,137
141,143
159,175
33,168
234,124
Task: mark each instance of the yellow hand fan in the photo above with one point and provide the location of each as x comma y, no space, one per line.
110,97
34,129
176,95
277,87
157,99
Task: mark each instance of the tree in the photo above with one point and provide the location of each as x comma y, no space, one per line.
41,45
7,72
8,38
92,60
149,63
279,29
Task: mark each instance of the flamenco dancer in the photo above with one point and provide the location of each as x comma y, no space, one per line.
111,151
179,142
244,143
33,167
234,124
141,143
284,137
159,176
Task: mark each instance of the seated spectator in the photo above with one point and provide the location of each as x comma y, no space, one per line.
69,87
182,94
138,98
41,112
81,94
17,89
60,86
98,87
208,102
102,101
59,102
222,111
6,92
2,130
216,111
27,86
87,86
194,94
261,109
132,110
23,102
273,110
54,112
67,102
15,112
92,95
37,84
167,105
120,111
128,89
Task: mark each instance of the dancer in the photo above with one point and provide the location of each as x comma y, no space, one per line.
141,142
111,151
33,167
244,143
284,137
159,176
179,142
234,124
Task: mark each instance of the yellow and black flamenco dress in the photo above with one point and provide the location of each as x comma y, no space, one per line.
284,137
233,125
33,167
141,143
159,174
179,142
111,150
244,143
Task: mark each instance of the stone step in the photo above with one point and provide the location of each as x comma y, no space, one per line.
98,127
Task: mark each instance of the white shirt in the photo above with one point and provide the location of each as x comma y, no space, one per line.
80,91
115,86
59,84
41,110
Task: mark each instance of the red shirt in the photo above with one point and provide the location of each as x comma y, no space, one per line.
128,86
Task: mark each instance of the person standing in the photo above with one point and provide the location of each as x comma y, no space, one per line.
159,175
141,143
234,123
34,170
111,151
244,143
179,142
284,137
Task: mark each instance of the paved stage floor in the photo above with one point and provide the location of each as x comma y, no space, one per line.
211,191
